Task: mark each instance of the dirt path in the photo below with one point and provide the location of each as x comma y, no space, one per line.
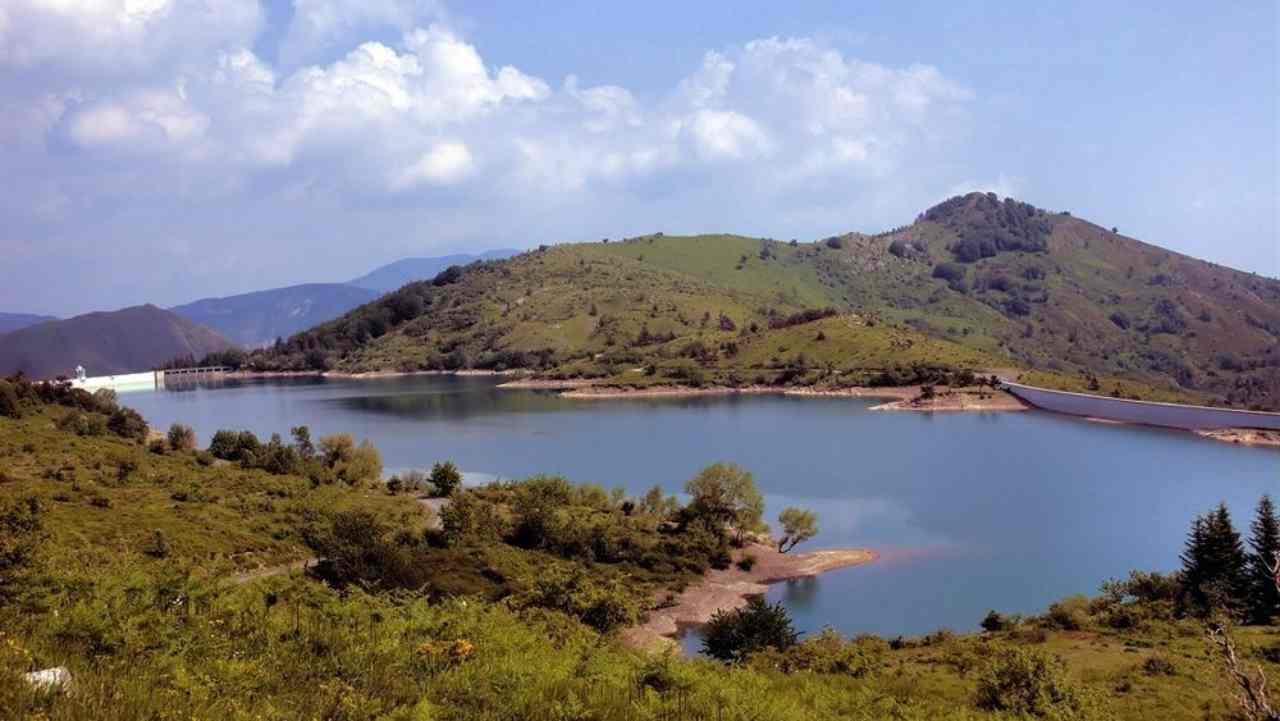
276,570
731,588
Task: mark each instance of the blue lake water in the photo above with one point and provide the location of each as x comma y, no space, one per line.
968,511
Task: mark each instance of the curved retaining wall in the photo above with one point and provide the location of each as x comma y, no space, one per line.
1170,415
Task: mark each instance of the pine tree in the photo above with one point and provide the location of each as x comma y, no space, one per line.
1264,597
1214,565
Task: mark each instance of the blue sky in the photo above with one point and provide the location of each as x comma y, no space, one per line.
157,152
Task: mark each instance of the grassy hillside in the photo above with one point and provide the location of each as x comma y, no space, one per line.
974,283
510,612
124,341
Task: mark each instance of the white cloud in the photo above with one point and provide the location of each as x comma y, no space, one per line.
321,24
445,164
388,133
725,134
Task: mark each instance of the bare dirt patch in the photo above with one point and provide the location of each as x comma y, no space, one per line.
730,589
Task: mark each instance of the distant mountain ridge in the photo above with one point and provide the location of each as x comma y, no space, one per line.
106,343
407,270
10,322
258,318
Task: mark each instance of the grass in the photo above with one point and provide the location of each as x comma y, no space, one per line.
149,637
105,498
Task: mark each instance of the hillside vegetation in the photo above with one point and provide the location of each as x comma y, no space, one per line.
106,343
974,283
117,562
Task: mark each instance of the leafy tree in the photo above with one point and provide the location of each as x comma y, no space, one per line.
445,478
1264,597
302,442
798,525
725,493
732,636
1214,564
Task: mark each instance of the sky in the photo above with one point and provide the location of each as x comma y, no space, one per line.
166,150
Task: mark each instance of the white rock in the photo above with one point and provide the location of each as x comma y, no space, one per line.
50,679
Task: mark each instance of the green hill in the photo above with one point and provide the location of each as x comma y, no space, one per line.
974,283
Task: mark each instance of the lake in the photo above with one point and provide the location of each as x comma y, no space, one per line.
969,512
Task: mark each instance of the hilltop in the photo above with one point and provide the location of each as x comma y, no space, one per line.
974,283
391,276
258,318
106,343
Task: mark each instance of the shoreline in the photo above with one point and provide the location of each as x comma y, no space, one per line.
952,401
1243,436
731,588
592,391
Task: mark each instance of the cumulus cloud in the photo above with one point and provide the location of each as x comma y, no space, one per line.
389,133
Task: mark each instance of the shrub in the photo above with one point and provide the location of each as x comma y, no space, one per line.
827,653
126,423
445,479
10,406
1121,320
732,636
747,562
994,621
950,272
1069,614
1158,665
1031,683
181,438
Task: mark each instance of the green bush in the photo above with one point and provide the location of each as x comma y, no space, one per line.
445,479
1031,683
829,653
181,438
732,636
127,423
1069,614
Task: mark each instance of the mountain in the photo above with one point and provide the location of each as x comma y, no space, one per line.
106,343
255,319
395,275
15,321
975,281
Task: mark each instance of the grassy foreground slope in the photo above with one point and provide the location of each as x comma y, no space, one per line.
509,620
979,281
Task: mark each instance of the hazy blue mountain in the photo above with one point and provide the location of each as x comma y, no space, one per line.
395,275
17,321
254,319
106,343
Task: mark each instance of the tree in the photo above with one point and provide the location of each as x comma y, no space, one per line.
798,525
445,478
1264,593
732,636
1214,565
725,493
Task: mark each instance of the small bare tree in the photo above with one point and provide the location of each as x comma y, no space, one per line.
1250,694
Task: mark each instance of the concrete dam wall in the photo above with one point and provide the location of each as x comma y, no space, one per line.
1169,415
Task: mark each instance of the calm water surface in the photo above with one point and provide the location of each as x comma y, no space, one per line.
969,511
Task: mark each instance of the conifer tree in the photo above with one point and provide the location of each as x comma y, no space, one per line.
1214,565
1264,597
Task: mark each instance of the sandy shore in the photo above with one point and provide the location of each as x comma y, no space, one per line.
1244,436
249,375
731,588
549,384
946,400
590,391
